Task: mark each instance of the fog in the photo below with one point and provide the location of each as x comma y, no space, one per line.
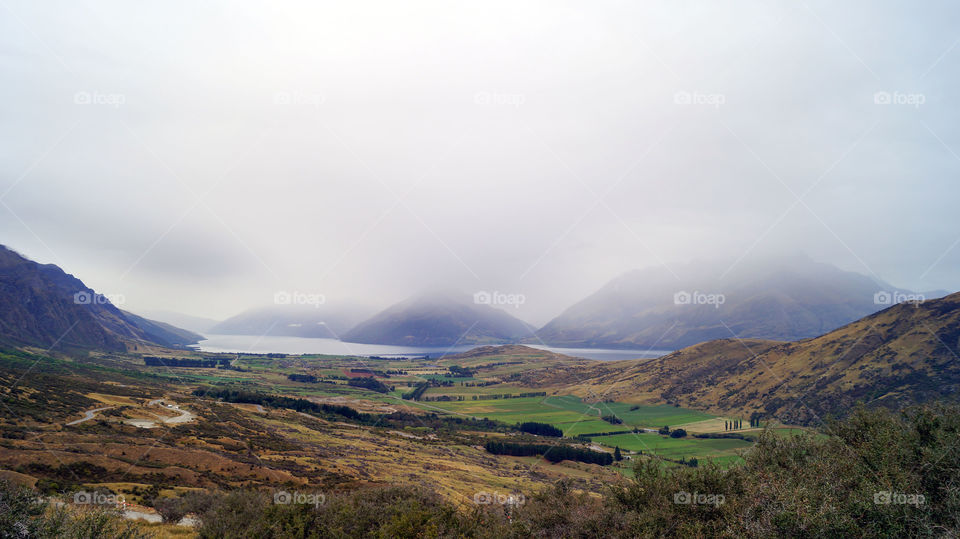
200,157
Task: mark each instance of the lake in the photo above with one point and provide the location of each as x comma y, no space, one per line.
299,345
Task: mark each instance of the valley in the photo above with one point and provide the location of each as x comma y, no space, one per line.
176,432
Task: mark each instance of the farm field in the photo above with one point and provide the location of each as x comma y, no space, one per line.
632,415
722,450
573,416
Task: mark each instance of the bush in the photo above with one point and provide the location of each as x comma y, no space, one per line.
371,512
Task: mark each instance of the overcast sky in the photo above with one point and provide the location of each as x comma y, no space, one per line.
199,156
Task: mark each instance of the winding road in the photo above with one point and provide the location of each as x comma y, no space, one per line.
88,415
185,416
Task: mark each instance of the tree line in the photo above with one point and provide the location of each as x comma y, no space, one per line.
553,453
540,429
199,363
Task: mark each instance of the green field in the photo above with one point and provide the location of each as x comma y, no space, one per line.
572,415
643,416
724,450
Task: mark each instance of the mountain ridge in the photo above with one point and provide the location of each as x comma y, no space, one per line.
45,306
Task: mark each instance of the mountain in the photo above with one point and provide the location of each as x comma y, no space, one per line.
785,298
439,319
324,321
905,354
41,305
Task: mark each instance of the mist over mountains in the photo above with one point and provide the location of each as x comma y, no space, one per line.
439,319
784,298
320,321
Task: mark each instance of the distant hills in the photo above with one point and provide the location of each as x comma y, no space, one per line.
781,299
196,324
42,306
902,355
439,319
323,321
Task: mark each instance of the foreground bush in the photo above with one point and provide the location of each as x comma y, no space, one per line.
374,512
24,514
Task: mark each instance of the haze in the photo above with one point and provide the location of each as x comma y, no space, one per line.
199,158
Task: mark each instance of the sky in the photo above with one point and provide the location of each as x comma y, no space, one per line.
200,157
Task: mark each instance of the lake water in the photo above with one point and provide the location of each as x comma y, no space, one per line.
299,345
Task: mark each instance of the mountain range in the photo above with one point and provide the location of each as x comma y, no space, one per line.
43,306
782,299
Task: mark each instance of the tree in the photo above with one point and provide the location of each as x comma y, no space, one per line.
678,433
665,430
616,454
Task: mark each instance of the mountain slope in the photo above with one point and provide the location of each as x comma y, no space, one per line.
904,354
439,319
41,305
781,299
324,321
